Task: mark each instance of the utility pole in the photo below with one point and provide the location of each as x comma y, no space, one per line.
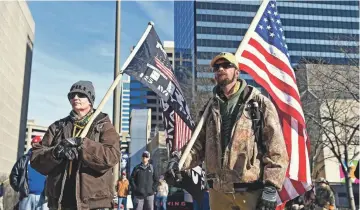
117,91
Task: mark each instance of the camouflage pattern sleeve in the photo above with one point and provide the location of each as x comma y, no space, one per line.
197,153
276,158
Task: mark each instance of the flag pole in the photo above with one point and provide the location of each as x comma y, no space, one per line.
237,55
117,91
251,29
194,136
115,82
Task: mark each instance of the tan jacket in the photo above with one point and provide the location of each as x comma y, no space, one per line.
94,180
242,161
123,188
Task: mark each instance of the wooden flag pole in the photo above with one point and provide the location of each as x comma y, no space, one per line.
194,136
113,86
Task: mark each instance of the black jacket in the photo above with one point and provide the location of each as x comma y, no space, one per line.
19,176
143,180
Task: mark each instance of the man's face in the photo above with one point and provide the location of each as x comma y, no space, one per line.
145,159
225,72
79,101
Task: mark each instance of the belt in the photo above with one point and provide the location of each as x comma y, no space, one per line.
241,187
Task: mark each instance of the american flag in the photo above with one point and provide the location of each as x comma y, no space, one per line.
264,55
165,70
182,132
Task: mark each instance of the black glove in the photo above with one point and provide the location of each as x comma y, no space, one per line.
68,149
72,142
71,153
267,200
59,152
173,174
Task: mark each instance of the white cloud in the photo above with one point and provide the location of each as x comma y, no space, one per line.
104,49
162,16
51,80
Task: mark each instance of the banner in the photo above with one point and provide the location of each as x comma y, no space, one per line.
149,64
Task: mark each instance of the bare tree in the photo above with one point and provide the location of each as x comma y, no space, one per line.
330,97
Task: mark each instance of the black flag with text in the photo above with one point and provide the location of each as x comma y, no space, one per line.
149,64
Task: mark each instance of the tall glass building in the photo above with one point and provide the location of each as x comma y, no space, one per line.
125,104
144,98
313,29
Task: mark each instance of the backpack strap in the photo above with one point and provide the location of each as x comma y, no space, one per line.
257,117
152,168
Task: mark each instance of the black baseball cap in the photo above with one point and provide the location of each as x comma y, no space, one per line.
146,154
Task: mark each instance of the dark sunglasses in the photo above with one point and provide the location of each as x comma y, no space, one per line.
80,95
224,65
145,156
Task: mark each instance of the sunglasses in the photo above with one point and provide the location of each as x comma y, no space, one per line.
145,156
80,95
225,65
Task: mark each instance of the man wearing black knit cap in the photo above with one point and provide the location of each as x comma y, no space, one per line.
88,183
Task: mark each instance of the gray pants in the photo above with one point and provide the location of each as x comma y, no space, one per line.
146,203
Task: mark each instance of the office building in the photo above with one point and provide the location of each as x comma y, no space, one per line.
158,150
142,97
313,30
32,130
17,33
125,104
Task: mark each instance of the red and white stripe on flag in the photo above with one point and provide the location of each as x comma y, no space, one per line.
182,132
263,55
165,70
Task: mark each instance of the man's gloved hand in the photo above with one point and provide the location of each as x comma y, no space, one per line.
68,149
71,153
59,152
267,200
173,174
72,142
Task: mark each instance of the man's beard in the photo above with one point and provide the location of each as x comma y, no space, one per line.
225,82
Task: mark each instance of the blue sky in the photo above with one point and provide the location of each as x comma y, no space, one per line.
75,41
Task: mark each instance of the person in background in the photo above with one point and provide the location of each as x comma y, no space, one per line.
28,182
143,183
122,190
162,194
325,197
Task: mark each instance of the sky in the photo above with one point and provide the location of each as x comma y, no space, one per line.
75,41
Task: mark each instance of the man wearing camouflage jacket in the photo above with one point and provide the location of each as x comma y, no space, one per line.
245,172
325,198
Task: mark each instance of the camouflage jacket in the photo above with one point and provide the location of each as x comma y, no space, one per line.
324,196
242,161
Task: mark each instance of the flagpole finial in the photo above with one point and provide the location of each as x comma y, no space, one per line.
151,23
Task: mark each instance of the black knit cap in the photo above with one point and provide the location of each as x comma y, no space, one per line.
85,87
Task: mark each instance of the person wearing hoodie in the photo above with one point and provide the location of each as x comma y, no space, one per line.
28,182
79,170
162,194
122,190
241,143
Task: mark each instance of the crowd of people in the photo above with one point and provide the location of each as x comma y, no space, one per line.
241,144
146,190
